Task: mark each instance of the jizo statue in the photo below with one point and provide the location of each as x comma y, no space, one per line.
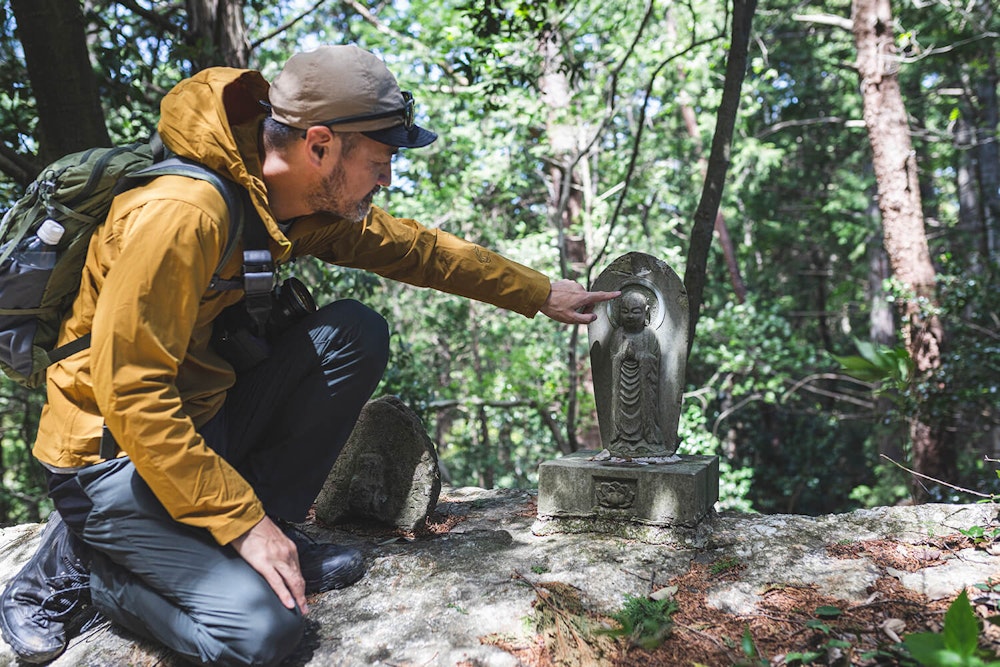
638,352
635,371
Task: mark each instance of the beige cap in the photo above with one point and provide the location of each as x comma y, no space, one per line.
348,89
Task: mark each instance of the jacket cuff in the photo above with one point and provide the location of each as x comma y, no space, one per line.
233,528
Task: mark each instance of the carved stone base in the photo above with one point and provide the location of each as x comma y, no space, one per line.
670,494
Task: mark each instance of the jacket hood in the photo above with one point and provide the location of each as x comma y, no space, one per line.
213,117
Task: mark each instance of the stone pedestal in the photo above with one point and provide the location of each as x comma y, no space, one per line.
666,494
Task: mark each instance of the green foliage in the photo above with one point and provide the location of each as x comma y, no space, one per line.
958,643
697,438
458,608
980,534
724,565
963,396
819,655
494,388
990,586
889,367
889,487
827,611
645,621
750,651
22,495
779,441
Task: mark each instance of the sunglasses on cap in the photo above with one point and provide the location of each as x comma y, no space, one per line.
406,113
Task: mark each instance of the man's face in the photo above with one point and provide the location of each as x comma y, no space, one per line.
348,189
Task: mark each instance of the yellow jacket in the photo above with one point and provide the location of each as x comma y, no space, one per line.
150,373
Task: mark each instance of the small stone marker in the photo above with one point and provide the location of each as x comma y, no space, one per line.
638,352
388,470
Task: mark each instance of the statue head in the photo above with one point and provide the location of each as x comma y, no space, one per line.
633,311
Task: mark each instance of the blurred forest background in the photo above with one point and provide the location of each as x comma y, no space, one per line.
848,314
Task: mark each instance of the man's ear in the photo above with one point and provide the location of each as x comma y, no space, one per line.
320,145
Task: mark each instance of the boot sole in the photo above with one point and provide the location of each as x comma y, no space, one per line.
25,653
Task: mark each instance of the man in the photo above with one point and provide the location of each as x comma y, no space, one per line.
177,520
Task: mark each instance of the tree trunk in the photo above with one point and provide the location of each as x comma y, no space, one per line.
895,168
881,326
718,162
487,470
721,229
70,117
890,436
971,223
218,33
565,203
988,152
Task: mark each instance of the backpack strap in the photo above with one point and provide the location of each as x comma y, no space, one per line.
236,197
245,222
258,274
258,279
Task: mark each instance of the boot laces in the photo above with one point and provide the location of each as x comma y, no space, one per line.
296,534
70,593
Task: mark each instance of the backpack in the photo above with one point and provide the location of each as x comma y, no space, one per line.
76,191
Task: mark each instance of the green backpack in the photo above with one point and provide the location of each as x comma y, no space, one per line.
76,191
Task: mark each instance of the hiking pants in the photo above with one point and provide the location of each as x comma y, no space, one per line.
282,426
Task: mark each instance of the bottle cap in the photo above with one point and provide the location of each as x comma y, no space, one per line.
50,232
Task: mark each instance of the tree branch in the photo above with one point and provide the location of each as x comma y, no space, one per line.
825,19
833,120
725,413
478,403
804,382
938,481
718,162
161,21
634,157
282,28
22,170
412,44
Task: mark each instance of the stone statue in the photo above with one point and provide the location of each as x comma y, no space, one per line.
638,353
635,367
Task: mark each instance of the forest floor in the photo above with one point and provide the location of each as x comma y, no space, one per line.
786,631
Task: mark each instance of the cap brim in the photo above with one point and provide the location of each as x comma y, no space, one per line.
400,137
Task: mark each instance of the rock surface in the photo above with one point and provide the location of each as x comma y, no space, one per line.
428,600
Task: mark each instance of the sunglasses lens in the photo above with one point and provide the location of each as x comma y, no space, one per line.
407,110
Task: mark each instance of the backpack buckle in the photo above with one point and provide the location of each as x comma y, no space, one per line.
258,283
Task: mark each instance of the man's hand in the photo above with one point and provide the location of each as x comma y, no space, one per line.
268,551
570,303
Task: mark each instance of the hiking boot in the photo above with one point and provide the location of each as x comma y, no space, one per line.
324,566
49,598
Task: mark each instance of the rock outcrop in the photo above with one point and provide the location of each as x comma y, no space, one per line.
428,599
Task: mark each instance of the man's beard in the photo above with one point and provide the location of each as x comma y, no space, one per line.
330,198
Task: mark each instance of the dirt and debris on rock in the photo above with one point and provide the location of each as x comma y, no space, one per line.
479,585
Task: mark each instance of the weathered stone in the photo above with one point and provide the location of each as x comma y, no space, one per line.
665,494
638,353
388,470
969,567
431,600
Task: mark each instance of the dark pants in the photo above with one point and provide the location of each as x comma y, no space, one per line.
282,426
